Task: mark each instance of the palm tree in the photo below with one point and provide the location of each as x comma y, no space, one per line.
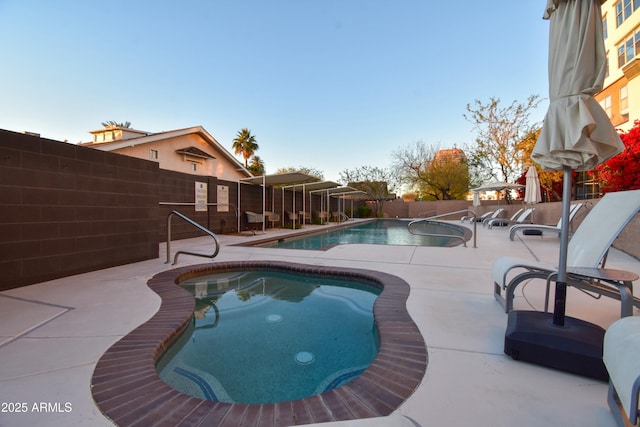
114,123
245,144
257,166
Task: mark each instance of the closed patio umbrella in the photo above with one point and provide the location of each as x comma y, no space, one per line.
476,199
577,133
532,188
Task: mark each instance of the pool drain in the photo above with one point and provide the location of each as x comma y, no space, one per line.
305,357
274,318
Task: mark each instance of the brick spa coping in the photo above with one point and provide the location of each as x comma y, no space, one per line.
128,390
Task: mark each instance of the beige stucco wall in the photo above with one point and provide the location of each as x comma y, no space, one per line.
168,159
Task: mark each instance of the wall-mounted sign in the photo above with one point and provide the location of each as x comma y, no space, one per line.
223,198
201,196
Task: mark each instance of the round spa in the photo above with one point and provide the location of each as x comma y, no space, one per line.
288,342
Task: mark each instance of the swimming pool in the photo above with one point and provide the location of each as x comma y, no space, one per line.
267,336
377,232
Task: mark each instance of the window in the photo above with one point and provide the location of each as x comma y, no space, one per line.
194,167
619,17
624,100
153,154
604,28
629,49
624,9
606,105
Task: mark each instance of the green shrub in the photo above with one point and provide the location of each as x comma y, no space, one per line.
364,211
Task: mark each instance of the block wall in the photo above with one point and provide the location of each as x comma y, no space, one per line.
66,209
177,193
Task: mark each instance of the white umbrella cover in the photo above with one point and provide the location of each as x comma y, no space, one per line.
476,199
532,188
577,133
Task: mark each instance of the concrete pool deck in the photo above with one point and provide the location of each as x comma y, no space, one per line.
53,333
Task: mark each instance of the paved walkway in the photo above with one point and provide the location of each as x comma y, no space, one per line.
52,334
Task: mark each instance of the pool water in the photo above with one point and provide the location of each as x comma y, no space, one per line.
269,336
379,232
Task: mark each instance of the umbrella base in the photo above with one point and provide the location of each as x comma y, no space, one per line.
575,347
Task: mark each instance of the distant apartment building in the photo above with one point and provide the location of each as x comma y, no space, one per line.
620,96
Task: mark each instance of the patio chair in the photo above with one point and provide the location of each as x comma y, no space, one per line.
292,216
322,216
494,215
253,219
586,254
304,217
541,228
272,217
515,219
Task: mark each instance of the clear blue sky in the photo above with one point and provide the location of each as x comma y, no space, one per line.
328,84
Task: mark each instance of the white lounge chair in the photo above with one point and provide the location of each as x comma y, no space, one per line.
478,218
517,218
514,216
543,228
620,356
585,254
494,215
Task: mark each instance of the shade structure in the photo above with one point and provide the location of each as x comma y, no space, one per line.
319,187
271,180
498,186
577,133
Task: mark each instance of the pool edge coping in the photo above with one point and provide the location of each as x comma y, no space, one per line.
128,390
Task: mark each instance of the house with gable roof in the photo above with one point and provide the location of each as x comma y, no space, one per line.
191,150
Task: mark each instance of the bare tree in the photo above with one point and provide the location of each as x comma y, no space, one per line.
431,172
497,154
373,181
308,170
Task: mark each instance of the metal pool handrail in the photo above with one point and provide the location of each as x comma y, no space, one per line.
432,219
199,227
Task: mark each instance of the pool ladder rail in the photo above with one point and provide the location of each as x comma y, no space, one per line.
432,219
199,227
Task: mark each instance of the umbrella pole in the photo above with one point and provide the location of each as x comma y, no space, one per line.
561,283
